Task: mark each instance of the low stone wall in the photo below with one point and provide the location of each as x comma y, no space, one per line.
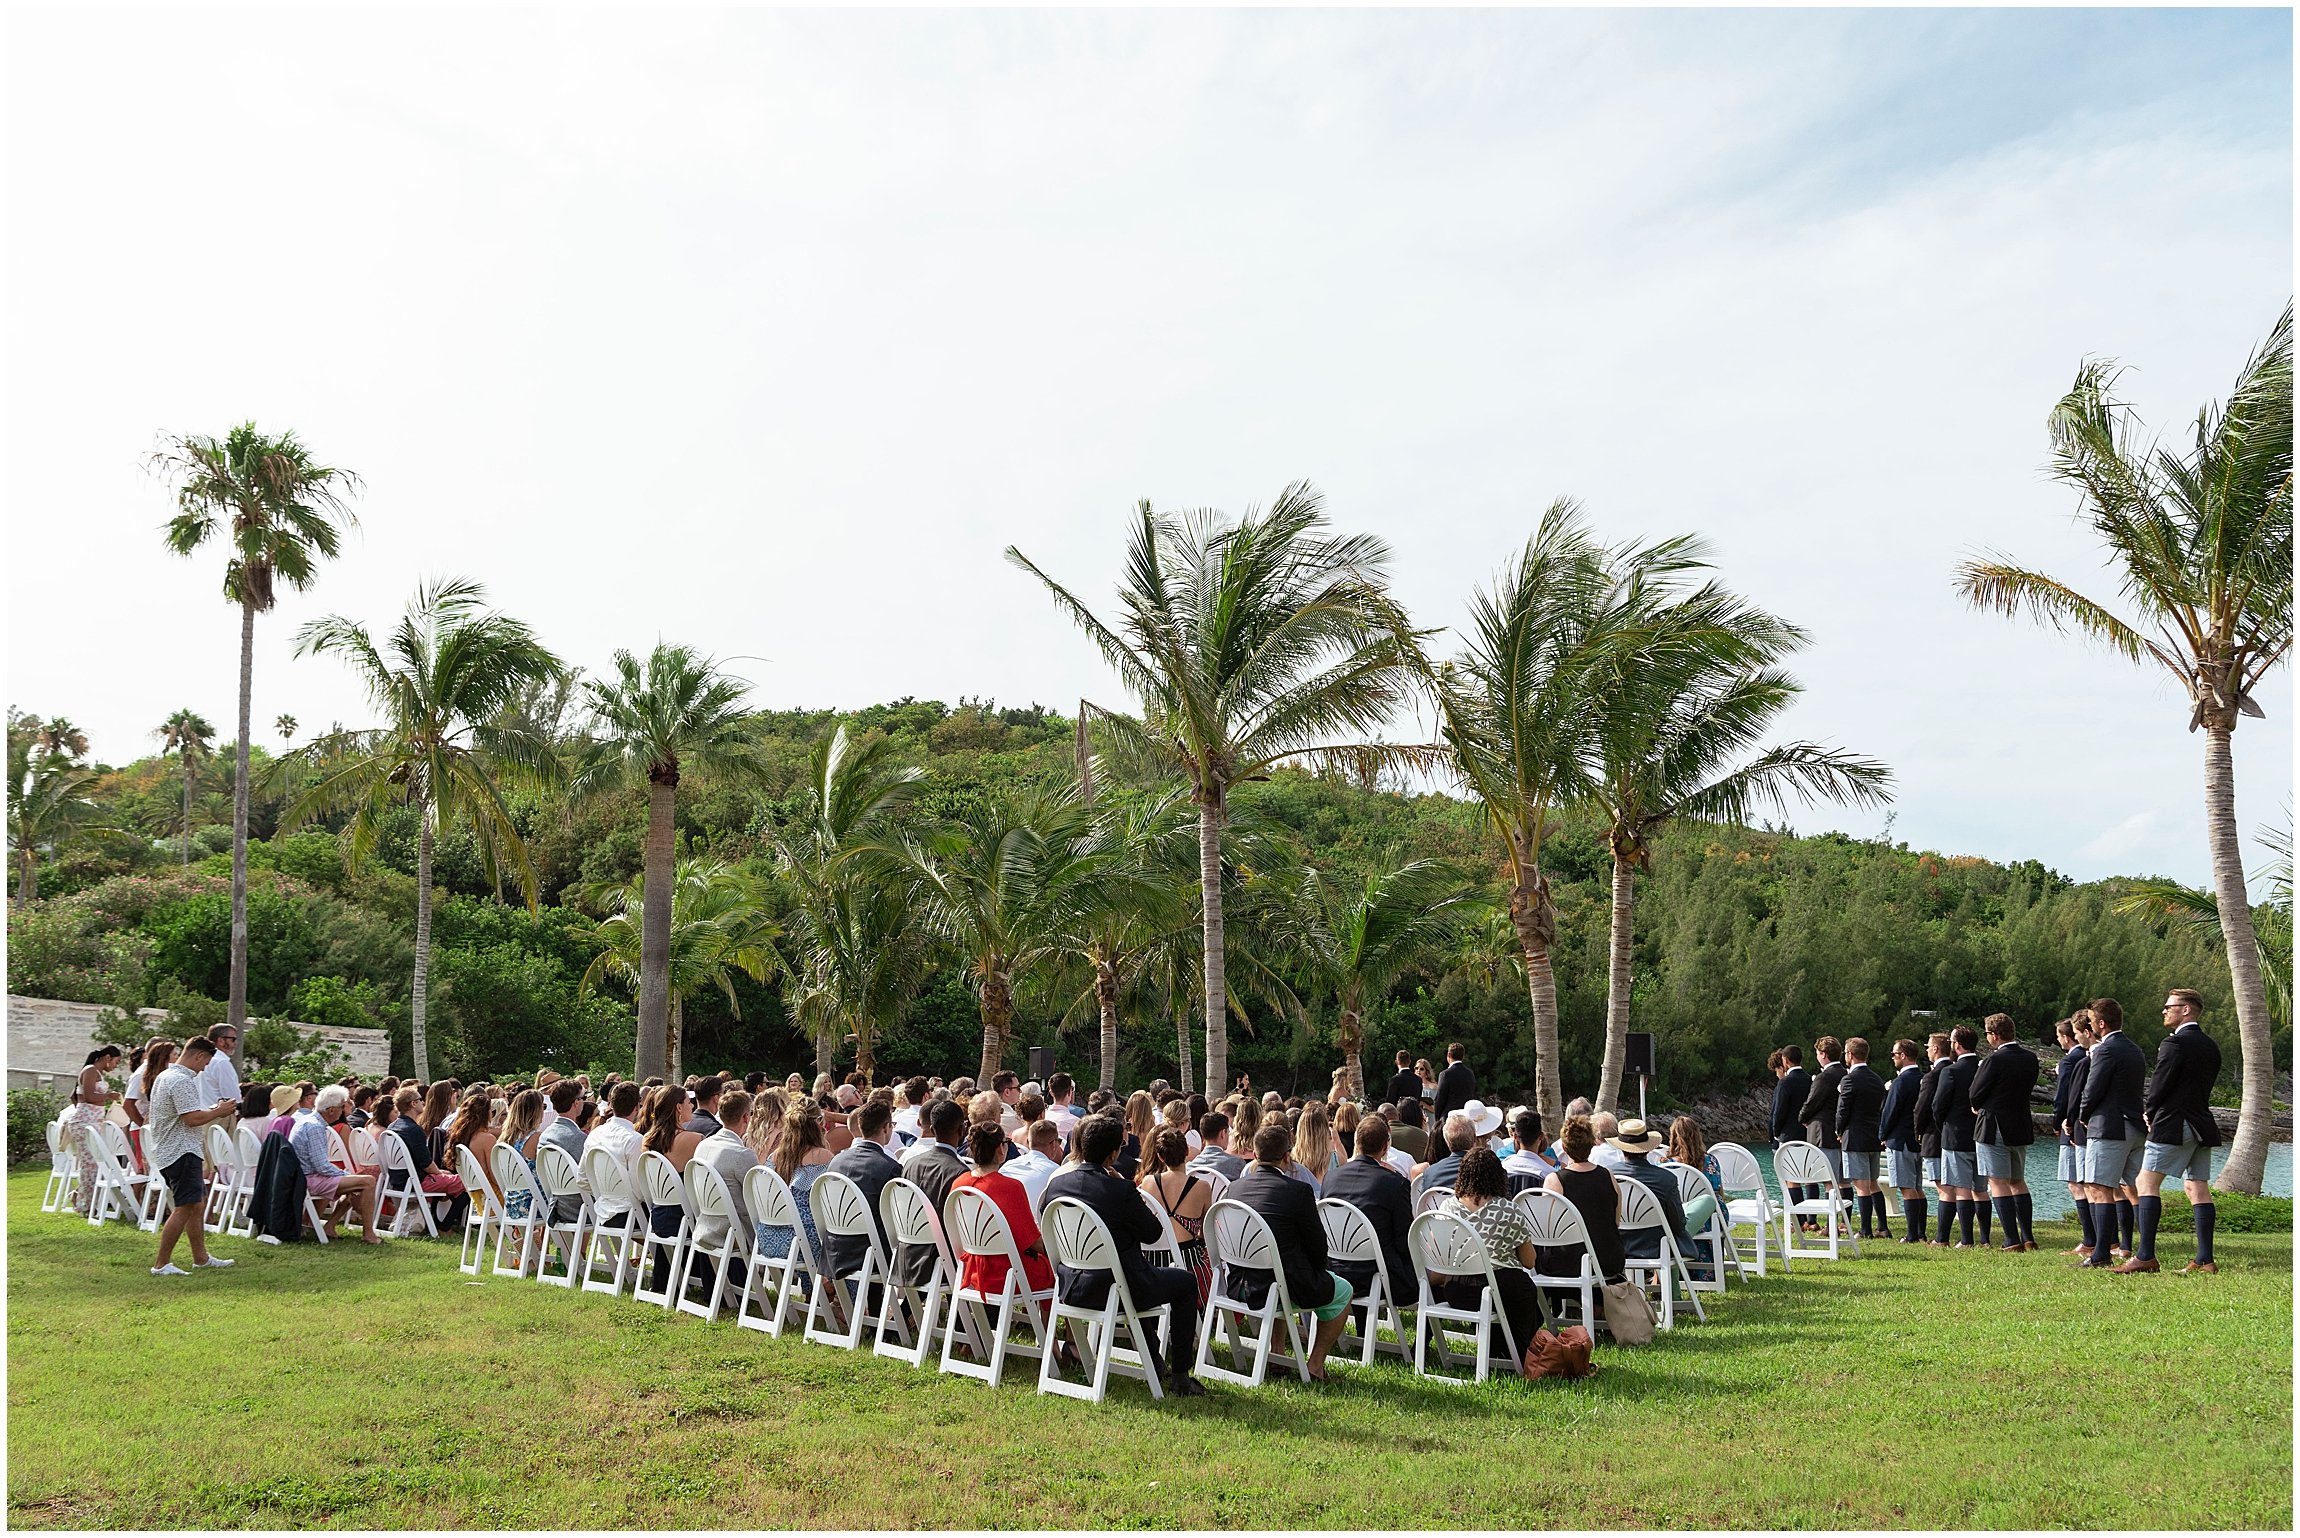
49,1041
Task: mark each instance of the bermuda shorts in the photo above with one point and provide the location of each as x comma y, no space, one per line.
187,1186
1998,1161
1836,1158
1857,1166
1905,1168
1957,1169
2071,1160
1933,1168
2111,1161
2184,1161
1341,1300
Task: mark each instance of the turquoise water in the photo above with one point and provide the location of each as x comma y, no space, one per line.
2049,1193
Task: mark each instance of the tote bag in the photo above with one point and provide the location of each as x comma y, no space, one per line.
1627,1314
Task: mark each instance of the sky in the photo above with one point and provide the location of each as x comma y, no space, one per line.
767,333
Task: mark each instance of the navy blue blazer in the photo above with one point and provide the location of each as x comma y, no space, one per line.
1897,1122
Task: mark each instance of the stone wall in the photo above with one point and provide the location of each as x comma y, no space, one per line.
49,1041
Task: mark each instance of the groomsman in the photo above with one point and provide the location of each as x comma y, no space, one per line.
1897,1129
1820,1112
2064,1082
2181,1131
2115,1124
1929,1128
2004,1127
1860,1108
1953,1109
1791,1084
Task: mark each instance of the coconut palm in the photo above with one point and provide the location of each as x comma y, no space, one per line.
675,717
1135,910
280,512
721,923
1249,644
2174,903
439,678
857,950
1674,717
51,803
2201,536
59,736
285,725
187,734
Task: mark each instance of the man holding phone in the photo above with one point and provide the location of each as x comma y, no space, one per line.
178,1112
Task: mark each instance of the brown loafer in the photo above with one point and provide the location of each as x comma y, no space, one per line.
2136,1268
2204,1266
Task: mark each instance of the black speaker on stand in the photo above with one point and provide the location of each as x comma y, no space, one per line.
1042,1063
1639,1061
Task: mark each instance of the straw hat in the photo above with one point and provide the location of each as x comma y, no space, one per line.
1636,1137
1484,1119
284,1097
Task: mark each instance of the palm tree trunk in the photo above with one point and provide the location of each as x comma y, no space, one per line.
418,1043
672,1051
27,876
1617,984
1106,1002
1529,915
997,1014
1182,1046
1217,977
236,1009
826,1050
2248,1153
655,931
187,808
1353,1041
866,1056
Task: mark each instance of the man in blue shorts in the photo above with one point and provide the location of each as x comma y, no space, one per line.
2114,1123
2004,1127
1904,1165
1953,1110
2181,1131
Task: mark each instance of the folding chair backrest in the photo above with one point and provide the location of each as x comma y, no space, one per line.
557,1172
769,1198
1076,1237
977,1227
839,1208
473,1174
660,1177
1802,1164
398,1164
1349,1234
610,1184
909,1216
220,1151
1737,1167
360,1143
1442,1243
1640,1208
1431,1200
511,1173
251,1146
1556,1222
1692,1185
707,1192
1236,1235
116,1142
56,1139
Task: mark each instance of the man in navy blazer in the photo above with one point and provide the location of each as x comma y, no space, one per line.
1790,1088
2004,1127
1953,1112
1114,1199
1897,1129
1371,1184
1290,1209
2115,1116
2181,1130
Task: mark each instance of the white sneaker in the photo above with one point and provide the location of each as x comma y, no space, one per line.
217,1262
171,1269
263,1239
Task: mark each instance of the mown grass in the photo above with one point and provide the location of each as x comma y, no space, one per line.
379,1388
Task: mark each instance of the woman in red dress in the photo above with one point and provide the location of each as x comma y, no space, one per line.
986,1146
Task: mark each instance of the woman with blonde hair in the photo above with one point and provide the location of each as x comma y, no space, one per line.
1346,1130
1314,1146
1140,1120
764,1132
522,1130
800,1155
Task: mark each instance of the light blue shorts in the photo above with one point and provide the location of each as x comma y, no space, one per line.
2111,1161
1905,1168
1998,1161
2071,1161
2182,1161
1859,1166
1957,1169
1933,1169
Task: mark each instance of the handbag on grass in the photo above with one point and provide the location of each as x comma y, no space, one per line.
1559,1354
1628,1316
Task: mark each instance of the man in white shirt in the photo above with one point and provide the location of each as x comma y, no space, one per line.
909,1101
1605,1155
1060,1088
620,1138
220,1080
1525,1158
1037,1163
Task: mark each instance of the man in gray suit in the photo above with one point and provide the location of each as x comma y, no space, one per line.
934,1172
726,1152
564,1135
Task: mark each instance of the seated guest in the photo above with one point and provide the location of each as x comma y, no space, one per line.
1172,1181
870,1166
1636,1141
1460,1137
285,1100
662,1123
1061,1091
565,1133
800,1155
1140,1119
522,1134
1604,1124
1214,1156
935,1172
1092,1183
359,1115
726,1152
1589,1186
1407,1134
1314,1155
1035,1168
705,1119
1480,1199
336,1194
619,1135
1370,1183
1688,1147
432,1180
1579,1105
1290,1207
1525,1168
986,1151
1346,1129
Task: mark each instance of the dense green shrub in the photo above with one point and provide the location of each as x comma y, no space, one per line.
29,1112
2235,1213
192,942
499,1007
340,1005
58,950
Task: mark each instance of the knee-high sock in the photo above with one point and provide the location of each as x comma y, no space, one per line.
1965,1206
1981,1211
2008,1218
1884,1216
1868,1215
2124,1223
1948,1217
2205,1213
2027,1211
2084,1219
2150,1213
1914,1210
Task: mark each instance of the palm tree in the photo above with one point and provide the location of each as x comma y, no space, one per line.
1671,717
1139,906
188,735
859,957
678,715
285,725
439,678
1352,945
51,802
280,512
2202,537
58,735
721,923
2174,903
1248,644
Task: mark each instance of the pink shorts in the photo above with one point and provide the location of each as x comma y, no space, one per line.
323,1186
442,1184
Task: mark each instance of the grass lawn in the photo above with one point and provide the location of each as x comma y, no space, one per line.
379,1388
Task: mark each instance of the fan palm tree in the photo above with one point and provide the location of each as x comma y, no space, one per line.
677,716
280,512
51,803
2202,539
439,678
187,734
721,924
59,736
1249,644
858,956
1672,719
285,725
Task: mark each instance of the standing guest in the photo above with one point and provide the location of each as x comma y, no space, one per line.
1170,1181
1460,1137
1819,1113
2067,1081
1938,1056
1953,1110
1858,1125
1792,1086
1093,1184
1314,1155
2115,1113
1035,1167
2004,1127
1897,1127
1405,1084
565,1133
870,1164
1594,1195
1478,1200
705,1119
220,1080
730,1156
1368,1182
1407,1134
334,1194
179,1110
801,1154
90,1094
1214,1158
935,1172
142,1070
1428,1076
986,1151
1457,1086
2181,1131
1290,1209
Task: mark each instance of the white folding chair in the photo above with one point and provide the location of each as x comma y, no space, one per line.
152,1204
660,1183
120,1191
1642,1212
709,1200
1557,1225
1692,1185
1443,1245
1076,1237
560,1177
911,1220
1746,1203
1432,1199
223,1155
484,1215
513,1177
63,1172
977,1227
1166,1249
1238,1236
611,1240
243,1218
774,1204
1802,1164
402,1193
1350,1238
842,1212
